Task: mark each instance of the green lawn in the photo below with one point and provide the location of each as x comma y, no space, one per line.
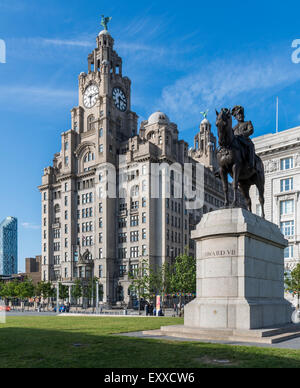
51,342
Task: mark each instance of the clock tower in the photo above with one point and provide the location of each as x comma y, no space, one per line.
105,101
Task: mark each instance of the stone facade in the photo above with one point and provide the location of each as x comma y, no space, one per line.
86,234
280,153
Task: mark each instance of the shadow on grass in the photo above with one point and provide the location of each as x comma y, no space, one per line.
34,348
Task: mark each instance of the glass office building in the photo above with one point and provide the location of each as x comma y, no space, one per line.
9,246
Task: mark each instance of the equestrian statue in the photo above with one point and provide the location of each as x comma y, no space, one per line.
236,157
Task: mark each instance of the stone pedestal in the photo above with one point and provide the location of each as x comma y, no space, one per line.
240,273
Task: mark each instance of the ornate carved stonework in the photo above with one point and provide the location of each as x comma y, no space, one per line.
271,165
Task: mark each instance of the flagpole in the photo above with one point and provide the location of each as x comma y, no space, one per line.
277,114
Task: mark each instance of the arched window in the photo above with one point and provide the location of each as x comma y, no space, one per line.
151,136
91,123
89,157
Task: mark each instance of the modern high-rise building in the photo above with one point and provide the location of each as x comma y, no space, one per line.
9,246
84,232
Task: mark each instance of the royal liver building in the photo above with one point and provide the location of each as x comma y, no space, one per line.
88,233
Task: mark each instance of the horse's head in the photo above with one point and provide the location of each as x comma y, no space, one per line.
224,125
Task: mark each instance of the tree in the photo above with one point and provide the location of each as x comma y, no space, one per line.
25,290
46,290
183,277
63,291
140,282
76,291
9,290
292,283
160,279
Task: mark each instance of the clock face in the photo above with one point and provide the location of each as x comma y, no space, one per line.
90,96
120,99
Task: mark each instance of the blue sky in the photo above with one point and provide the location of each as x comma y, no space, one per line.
182,58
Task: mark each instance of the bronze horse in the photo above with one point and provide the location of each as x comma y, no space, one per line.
232,159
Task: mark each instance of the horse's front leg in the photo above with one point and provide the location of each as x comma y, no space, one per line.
224,177
235,174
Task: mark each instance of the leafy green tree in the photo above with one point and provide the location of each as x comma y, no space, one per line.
45,290
160,279
292,283
140,282
77,291
63,291
183,277
10,290
25,290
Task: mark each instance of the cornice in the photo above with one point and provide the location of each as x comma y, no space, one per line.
278,149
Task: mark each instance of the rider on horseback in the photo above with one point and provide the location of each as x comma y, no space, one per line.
243,130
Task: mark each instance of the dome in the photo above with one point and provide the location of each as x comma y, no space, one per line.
104,32
205,121
158,117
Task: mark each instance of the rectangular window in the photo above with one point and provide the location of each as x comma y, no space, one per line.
122,238
134,269
100,253
134,205
100,271
287,228
134,252
287,207
122,271
134,220
134,236
286,184
122,222
122,253
56,233
286,164
289,252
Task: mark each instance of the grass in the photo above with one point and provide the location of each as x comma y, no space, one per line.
62,342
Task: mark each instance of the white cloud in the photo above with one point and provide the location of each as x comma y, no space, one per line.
65,42
223,83
36,94
28,225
